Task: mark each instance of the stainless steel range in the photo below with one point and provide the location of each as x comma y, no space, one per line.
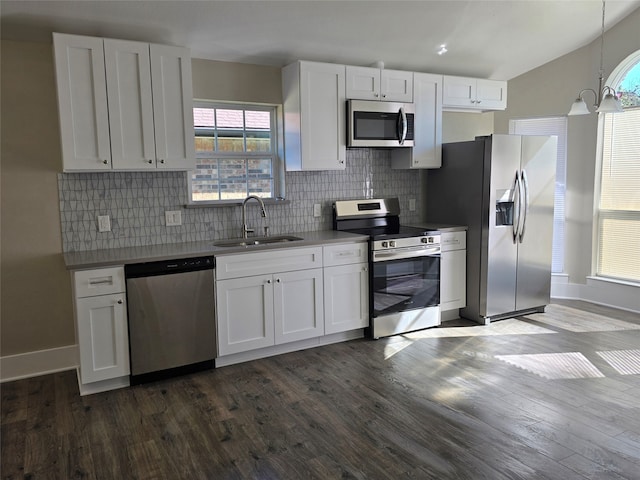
404,280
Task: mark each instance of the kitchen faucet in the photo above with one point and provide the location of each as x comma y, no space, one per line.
245,230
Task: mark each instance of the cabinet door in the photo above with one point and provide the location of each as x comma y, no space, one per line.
346,298
453,279
314,100
459,92
298,305
427,152
82,102
491,94
244,314
396,86
363,83
173,107
102,337
130,105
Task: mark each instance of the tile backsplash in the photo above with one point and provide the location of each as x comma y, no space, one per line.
136,203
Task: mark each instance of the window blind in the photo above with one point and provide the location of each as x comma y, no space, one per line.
619,205
551,126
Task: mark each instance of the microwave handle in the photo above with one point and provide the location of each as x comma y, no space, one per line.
402,126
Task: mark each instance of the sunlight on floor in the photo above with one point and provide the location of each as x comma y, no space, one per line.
578,321
509,326
554,366
625,362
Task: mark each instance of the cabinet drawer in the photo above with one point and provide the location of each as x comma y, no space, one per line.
453,241
258,263
345,254
103,281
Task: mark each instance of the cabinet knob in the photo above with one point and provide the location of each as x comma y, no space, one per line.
384,95
375,95
120,302
106,162
269,281
277,280
162,160
149,161
478,101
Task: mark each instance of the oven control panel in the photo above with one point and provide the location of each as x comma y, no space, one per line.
426,241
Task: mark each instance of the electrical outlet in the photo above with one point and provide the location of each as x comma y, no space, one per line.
412,204
317,209
104,223
173,218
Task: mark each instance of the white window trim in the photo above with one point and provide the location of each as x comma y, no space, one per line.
278,166
615,78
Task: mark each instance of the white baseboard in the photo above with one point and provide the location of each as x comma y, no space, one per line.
625,296
41,362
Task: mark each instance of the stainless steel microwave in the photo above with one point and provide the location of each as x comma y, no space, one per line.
380,124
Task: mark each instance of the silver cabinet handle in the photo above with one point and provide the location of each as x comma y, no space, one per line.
162,160
120,302
149,161
106,162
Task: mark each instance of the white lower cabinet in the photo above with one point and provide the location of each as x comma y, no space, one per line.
281,303
453,271
346,287
101,323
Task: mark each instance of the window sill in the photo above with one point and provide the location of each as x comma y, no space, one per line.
614,280
235,203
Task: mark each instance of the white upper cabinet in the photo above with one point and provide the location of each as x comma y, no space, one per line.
474,93
368,83
427,151
123,105
82,102
173,107
314,116
128,71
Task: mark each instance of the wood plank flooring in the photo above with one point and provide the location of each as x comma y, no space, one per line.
414,406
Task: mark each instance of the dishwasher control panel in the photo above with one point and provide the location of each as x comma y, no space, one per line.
164,267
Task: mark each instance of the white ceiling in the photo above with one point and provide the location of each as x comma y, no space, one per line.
489,39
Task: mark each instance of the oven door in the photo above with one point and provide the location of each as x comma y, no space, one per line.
400,284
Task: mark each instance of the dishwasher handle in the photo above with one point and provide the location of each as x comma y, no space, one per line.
168,267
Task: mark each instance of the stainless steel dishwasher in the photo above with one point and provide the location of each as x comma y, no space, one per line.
171,313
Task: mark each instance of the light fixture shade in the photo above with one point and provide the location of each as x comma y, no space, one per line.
579,107
609,104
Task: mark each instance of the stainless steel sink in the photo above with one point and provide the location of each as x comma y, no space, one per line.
252,241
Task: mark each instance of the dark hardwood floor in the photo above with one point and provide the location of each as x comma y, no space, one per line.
454,402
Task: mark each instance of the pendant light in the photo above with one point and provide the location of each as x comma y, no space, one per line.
606,99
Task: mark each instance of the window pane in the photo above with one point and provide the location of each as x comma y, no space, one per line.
233,179
204,117
260,177
258,141
227,118
230,141
205,141
204,180
617,257
629,88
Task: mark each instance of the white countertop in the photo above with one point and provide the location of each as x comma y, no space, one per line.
152,253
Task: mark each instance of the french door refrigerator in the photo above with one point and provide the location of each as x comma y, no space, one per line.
502,188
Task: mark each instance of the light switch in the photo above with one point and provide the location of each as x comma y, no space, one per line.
104,223
173,218
412,204
317,209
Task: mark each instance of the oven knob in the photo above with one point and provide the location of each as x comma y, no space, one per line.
385,244
427,240
392,243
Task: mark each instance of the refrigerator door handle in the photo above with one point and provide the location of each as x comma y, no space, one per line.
525,192
516,212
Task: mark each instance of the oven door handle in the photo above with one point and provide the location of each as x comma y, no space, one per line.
398,254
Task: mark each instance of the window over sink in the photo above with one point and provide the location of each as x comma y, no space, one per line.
236,153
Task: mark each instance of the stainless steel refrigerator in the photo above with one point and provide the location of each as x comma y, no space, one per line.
502,187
